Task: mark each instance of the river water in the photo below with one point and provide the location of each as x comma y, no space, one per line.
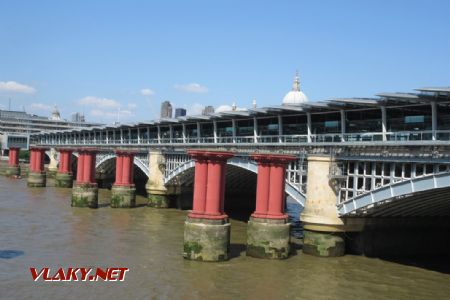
38,228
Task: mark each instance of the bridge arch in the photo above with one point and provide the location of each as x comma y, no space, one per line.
187,169
107,159
419,196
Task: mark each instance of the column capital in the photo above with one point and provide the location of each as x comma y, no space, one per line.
87,150
65,149
35,148
264,158
125,152
211,156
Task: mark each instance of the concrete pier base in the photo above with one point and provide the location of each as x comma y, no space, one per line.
206,240
85,195
11,171
158,201
325,244
36,179
123,196
63,180
51,172
268,238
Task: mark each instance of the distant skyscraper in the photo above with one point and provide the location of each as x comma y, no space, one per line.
208,110
180,112
166,110
78,118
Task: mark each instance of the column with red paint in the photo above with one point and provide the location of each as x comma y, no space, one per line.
124,168
209,184
86,166
37,160
270,193
13,160
65,161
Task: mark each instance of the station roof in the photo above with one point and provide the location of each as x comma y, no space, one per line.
425,96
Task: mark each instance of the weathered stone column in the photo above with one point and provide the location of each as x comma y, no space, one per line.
323,229
159,195
85,190
63,177
268,228
52,168
37,176
13,168
123,192
207,229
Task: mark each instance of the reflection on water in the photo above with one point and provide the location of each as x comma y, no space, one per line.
40,224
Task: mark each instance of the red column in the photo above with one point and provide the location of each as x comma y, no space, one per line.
124,168
209,184
131,172
13,160
80,167
200,178
119,167
65,161
37,160
32,160
270,194
86,166
262,189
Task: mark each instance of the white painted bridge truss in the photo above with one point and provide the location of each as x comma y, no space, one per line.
365,185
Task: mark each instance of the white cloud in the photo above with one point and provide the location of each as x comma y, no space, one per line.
132,105
191,88
12,86
226,107
111,114
102,102
195,109
147,92
41,106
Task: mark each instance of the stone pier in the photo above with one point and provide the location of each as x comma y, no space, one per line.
85,190
13,168
268,233
52,167
207,228
159,194
63,177
123,192
37,176
323,229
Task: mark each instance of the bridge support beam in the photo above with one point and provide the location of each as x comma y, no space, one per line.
52,168
85,190
37,176
159,195
323,229
207,228
123,192
268,227
63,177
13,168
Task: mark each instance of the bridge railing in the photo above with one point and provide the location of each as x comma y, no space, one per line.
374,137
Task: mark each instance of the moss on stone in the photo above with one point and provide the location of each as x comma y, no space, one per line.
323,244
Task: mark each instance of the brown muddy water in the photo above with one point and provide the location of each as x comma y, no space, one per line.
38,228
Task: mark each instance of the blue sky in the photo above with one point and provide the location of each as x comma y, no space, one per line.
102,56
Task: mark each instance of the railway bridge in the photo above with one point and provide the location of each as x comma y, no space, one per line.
363,169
